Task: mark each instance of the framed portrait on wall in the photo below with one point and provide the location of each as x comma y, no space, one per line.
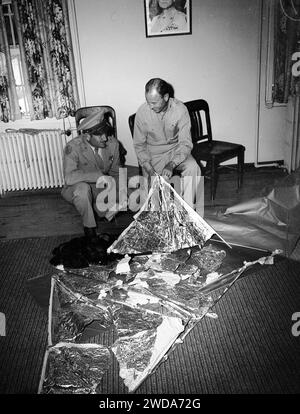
168,17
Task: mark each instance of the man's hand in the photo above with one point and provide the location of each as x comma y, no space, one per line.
167,172
148,168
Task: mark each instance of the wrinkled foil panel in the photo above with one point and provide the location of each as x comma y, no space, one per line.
207,260
94,272
165,223
134,352
80,284
130,321
138,354
75,369
72,312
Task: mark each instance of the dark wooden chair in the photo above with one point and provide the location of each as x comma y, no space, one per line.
205,148
131,120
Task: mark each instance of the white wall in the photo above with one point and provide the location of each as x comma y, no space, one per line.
218,62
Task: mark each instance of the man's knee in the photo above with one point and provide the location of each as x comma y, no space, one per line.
189,167
82,191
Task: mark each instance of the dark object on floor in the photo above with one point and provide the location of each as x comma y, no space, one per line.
80,252
90,234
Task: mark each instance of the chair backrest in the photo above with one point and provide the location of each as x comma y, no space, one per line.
83,112
131,123
197,109
131,120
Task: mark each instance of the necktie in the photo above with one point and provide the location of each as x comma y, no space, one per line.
101,156
98,156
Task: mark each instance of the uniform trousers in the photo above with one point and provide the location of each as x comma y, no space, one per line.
83,196
87,201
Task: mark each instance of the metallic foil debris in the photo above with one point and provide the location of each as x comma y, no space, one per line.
75,368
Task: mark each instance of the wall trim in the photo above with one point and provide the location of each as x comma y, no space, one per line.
270,55
76,51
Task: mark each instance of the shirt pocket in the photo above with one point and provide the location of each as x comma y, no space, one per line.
172,132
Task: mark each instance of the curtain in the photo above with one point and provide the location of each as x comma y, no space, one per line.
47,59
4,100
286,43
9,105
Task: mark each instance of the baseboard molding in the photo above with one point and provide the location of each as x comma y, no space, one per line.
279,162
249,165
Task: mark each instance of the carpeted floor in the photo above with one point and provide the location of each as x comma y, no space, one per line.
248,349
23,347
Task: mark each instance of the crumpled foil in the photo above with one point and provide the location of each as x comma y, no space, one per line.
139,353
99,273
148,315
130,321
75,368
72,312
269,222
165,223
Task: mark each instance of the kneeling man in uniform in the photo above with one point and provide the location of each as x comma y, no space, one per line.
92,154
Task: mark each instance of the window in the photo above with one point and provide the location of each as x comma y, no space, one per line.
10,27
37,69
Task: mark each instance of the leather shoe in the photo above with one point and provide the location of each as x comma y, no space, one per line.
91,234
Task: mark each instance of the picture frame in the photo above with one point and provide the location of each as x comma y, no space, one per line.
168,17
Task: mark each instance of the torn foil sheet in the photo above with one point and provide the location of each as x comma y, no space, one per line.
138,308
70,313
207,260
271,221
140,301
130,321
74,368
139,354
95,272
80,284
184,262
184,294
169,226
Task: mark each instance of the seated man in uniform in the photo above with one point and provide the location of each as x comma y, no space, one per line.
87,157
163,144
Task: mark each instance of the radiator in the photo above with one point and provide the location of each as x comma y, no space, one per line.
31,160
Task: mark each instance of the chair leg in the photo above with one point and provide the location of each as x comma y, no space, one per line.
214,181
240,168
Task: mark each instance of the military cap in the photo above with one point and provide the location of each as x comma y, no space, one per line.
93,121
